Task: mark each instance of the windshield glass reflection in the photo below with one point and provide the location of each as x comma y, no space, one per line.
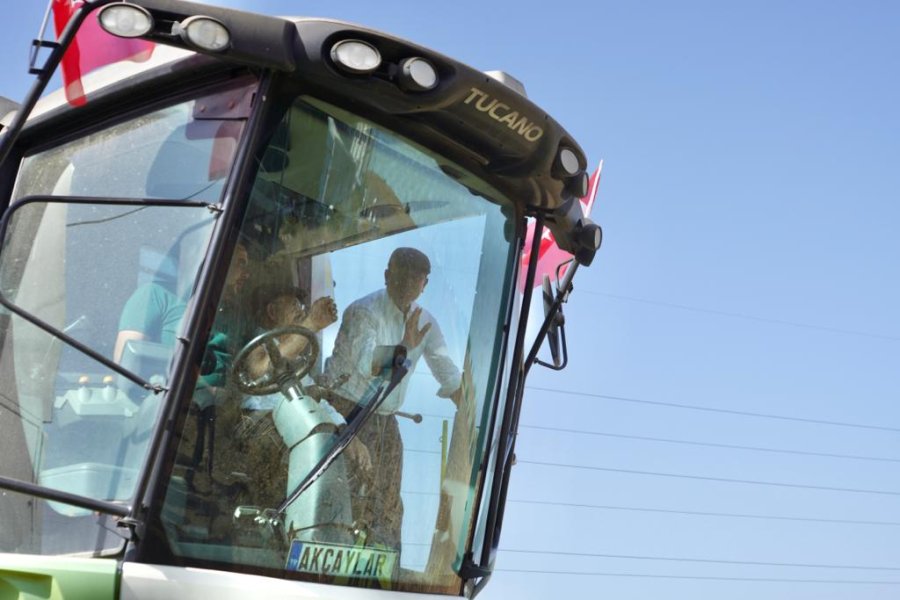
355,244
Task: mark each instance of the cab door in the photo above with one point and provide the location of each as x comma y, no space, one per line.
106,230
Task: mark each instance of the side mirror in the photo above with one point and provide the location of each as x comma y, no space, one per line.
554,326
553,333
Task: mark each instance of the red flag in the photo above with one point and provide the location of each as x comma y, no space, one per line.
549,254
92,48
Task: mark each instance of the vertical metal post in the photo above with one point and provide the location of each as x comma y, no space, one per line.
11,134
506,435
444,441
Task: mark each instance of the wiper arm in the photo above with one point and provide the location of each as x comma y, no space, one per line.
40,491
398,370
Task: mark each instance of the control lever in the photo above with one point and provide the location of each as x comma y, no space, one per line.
258,517
414,417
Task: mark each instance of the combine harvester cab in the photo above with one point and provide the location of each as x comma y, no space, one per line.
262,307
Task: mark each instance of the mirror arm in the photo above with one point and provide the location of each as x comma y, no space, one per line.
562,295
565,350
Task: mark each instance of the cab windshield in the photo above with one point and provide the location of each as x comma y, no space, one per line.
367,283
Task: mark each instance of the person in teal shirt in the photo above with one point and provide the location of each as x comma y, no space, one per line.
152,313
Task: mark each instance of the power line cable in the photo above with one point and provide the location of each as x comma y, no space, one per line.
698,577
693,443
679,559
692,513
701,560
711,444
709,478
715,410
699,513
645,438
723,313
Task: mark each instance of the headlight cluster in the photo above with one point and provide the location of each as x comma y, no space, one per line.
357,57
129,21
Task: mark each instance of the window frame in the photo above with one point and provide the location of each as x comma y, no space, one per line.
134,516
155,547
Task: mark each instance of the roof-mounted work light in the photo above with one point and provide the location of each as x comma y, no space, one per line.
578,184
204,33
567,162
356,56
417,75
125,20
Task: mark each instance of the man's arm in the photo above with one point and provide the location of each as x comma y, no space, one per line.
141,318
437,357
125,336
354,348
322,314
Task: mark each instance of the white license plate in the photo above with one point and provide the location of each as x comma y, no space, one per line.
341,561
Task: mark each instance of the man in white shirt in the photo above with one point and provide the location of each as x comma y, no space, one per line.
388,317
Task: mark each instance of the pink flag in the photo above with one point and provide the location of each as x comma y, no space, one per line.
92,48
549,254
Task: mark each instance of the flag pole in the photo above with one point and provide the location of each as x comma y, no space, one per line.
44,74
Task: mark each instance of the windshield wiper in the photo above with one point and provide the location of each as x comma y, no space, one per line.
399,368
40,491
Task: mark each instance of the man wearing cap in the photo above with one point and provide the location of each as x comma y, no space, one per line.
387,317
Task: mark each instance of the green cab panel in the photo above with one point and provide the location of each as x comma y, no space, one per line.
31,577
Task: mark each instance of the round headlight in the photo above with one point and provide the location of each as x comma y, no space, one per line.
590,236
125,20
568,161
418,75
578,184
205,33
356,56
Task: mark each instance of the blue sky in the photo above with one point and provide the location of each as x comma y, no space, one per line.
745,295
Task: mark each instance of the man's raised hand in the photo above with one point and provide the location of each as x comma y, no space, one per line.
412,335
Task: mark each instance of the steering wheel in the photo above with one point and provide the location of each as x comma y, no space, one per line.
281,369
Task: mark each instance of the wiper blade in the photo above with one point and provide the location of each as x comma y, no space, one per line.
40,491
399,369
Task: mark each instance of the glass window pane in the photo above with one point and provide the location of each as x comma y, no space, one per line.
354,242
179,152
117,279
85,269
